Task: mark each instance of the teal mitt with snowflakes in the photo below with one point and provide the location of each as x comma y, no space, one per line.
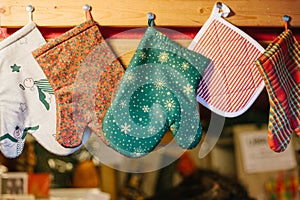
157,93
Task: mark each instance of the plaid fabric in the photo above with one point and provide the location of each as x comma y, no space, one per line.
84,73
280,69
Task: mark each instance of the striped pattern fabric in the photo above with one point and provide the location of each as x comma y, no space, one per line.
280,70
231,83
44,85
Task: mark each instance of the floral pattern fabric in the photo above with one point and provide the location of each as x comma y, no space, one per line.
84,73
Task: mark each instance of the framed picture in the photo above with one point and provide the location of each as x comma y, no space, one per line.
13,183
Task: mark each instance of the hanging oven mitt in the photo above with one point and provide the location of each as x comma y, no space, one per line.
84,73
231,83
280,69
27,99
156,93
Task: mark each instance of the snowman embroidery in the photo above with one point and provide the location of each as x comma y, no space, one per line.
43,87
18,137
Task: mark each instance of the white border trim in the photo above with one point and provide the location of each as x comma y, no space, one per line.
253,98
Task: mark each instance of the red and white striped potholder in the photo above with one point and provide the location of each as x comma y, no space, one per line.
231,83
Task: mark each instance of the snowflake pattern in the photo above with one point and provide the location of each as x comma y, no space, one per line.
123,104
151,130
138,152
125,128
191,138
142,55
163,57
185,66
164,85
145,108
160,84
188,89
130,77
169,104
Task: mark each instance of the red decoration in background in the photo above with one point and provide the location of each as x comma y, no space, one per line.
39,184
186,166
282,187
3,32
259,34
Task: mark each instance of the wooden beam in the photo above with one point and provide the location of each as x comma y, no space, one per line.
125,48
128,13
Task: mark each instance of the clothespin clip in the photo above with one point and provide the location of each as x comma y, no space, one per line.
30,10
87,8
151,18
221,9
286,20
219,5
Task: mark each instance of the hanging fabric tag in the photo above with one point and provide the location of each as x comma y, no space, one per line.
231,83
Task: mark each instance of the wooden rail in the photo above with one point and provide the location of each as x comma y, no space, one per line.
187,13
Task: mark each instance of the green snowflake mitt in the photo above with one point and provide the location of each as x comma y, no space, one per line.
157,93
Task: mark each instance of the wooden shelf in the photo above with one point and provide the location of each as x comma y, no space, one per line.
187,13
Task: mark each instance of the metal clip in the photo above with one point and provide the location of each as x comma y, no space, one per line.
30,10
286,20
87,8
151,18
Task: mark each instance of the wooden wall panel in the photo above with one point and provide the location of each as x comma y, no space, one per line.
125,48
62,13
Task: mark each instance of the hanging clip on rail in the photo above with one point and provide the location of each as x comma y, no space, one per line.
151,18
30,9
286,20
221,10
87,9
219,5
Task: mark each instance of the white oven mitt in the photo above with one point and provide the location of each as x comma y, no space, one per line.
26,97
